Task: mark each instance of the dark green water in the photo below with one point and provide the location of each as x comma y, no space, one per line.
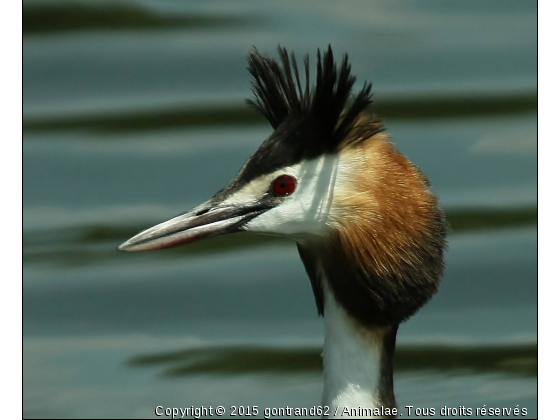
133,112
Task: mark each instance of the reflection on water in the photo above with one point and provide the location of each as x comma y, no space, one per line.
87,244
134,112
408,108
54,17
517,360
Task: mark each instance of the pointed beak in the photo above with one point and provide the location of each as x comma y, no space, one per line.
203,222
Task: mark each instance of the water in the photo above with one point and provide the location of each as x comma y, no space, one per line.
133,112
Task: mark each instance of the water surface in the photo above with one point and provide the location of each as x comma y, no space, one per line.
133,112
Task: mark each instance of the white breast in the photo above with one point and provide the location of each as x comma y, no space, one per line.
351,359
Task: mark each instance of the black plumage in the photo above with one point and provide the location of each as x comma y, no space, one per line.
308,120
327,106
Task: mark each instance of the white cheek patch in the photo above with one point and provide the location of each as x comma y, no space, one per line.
251,192
306,211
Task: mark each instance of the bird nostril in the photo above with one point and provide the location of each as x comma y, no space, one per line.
201,212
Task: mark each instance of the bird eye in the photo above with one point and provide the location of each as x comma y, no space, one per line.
283,185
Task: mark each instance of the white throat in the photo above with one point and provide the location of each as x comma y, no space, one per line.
352,359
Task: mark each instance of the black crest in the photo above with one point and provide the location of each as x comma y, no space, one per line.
280,95
308,120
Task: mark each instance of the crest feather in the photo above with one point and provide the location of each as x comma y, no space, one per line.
280,95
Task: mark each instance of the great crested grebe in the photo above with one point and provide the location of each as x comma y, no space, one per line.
370,233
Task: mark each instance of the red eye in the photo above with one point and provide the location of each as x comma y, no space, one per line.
283,185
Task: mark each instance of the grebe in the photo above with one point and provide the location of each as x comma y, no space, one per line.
368,229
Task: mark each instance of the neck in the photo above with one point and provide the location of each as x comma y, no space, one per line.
358,362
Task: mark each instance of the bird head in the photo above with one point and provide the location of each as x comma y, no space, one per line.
328,178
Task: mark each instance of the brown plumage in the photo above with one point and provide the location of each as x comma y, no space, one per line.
368,229
384,252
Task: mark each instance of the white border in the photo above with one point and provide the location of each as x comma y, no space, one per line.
548,209
11,184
